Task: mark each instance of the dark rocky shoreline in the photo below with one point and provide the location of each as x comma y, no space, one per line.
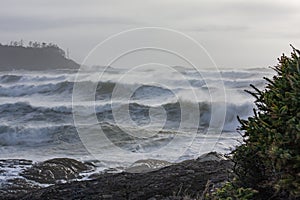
188,178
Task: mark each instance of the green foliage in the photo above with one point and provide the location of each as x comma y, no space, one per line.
269,159
230,192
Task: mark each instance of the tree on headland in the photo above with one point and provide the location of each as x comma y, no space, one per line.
21,43
36,45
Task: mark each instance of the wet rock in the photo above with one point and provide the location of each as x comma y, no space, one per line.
11,184
142,166
171,182
211,156
14,163
54,170
17,187
109,170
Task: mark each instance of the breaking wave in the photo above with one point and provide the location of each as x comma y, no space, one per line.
36,107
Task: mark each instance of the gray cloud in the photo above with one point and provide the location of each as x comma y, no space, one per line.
221,28
261,8
8,24
259,27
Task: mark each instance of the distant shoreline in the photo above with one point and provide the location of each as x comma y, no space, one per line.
37,57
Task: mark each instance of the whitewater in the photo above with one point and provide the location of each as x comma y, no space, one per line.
37,113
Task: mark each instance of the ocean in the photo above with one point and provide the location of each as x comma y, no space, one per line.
118,116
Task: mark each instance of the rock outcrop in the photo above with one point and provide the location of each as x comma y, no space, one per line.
140,181
54,170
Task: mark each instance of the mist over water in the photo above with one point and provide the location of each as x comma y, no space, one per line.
36,120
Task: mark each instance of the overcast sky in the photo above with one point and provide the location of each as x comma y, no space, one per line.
235,33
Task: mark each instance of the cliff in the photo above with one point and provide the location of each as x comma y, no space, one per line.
34,58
